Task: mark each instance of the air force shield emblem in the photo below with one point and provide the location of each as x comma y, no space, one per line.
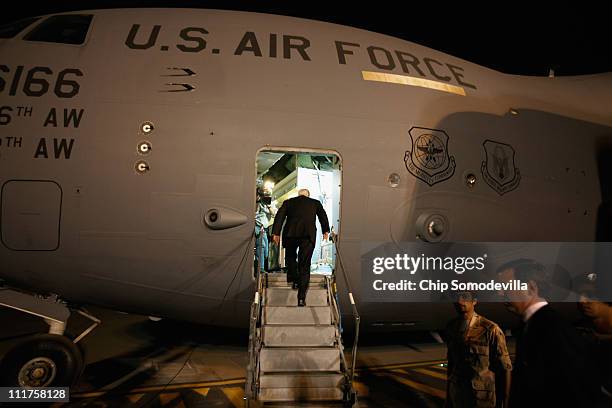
429,160
498,169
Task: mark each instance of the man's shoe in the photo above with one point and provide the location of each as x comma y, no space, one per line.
295,285
301,302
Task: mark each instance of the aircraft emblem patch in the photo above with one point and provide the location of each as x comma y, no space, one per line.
498,169
429,160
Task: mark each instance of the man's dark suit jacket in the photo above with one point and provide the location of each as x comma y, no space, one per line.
550,369
300,213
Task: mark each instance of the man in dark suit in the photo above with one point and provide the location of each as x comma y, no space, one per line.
300,232
550,369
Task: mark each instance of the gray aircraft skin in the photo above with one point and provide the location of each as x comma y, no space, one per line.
95,216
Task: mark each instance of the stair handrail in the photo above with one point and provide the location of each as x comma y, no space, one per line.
355,312
336,321
252,380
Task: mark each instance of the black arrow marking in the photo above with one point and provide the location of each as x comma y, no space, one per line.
186,87
187,72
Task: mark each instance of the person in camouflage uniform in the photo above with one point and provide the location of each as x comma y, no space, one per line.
478,362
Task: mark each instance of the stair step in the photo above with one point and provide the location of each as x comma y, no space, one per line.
299,359
279,285
281,277
284,284
310,404
300,394
288,297
302,380
287,336
293,315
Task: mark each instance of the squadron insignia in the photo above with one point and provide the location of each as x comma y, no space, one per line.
429,160
499,169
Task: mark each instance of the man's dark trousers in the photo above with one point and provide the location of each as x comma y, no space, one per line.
298,262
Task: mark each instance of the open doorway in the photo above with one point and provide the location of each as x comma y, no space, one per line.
280,175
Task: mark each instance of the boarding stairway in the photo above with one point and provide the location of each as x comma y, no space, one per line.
296,355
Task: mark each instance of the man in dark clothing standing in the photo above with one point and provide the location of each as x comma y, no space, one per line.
550,368
300,232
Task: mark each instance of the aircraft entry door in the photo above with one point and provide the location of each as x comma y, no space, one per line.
280,175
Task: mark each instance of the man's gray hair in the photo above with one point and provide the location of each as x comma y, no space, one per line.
304,192
529,270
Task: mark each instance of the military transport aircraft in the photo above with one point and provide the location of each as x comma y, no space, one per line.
132,143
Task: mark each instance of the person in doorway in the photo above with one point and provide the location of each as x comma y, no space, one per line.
262,222
299,233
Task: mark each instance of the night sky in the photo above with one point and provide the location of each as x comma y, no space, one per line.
507,36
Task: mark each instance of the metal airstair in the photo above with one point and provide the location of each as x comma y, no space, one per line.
296,355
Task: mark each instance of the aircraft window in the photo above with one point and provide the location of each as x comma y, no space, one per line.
12,29
65,29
